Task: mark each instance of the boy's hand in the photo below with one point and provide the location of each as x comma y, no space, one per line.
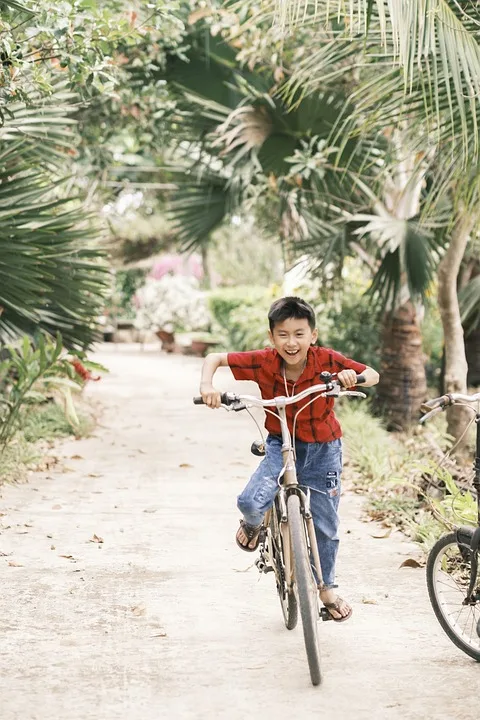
347,378
210,396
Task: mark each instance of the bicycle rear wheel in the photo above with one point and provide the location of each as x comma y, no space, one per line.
306,587
448,578
288,600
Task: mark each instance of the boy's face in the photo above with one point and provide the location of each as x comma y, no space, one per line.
291,339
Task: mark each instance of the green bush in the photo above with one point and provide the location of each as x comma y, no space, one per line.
353,329
240,316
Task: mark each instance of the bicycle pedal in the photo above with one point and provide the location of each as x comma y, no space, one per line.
325,615
260,564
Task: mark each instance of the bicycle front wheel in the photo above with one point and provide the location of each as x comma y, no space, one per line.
448,578
288,601
306,587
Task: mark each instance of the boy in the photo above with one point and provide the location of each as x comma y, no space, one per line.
292,365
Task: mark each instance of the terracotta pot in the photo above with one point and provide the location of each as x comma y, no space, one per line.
200,347
167,339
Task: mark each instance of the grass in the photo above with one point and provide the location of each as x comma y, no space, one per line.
394,471
41,425
48,421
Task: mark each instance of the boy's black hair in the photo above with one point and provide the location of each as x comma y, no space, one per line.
290,307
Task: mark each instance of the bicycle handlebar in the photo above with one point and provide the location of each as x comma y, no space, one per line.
331,389
436,405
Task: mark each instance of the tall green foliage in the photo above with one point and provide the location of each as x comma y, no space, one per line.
52,275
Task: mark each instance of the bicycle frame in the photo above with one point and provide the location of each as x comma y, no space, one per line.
290,484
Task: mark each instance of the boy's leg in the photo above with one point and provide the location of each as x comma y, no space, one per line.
321,472
259,494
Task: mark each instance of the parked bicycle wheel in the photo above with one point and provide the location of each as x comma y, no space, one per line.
448,578
306,587
288,600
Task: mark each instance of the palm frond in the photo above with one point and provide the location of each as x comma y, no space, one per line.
45,127
200,204
409,256
52,276
423,55
14,5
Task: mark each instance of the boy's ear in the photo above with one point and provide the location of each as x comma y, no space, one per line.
314,336
270,337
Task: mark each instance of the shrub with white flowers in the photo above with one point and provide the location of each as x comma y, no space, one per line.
173,303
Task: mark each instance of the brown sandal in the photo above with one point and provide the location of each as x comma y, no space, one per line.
250,531
336,607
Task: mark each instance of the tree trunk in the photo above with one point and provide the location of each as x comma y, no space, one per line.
403,385
456,367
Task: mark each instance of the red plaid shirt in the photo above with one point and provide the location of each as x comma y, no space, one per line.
265,367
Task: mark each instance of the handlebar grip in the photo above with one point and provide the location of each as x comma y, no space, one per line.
225,400
360,379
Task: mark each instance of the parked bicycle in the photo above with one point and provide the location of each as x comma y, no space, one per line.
452,568
288,546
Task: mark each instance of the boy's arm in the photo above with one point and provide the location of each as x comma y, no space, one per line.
348,378
212,362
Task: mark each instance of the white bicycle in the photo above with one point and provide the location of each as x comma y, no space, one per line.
288,545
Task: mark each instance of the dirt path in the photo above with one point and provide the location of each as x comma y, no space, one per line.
164,619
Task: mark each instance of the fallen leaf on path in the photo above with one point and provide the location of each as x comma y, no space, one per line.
56,507
76,457
50,536
66,469
96,539
94,475
2,554
52,547
12,563
27,525
411,562
163,634
138,610
150,510
383,535
369,601
141,451
68,557
185,465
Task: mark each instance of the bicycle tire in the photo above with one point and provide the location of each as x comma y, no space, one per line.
288,600
441,594
307,599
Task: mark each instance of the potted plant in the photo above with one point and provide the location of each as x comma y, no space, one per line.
170,305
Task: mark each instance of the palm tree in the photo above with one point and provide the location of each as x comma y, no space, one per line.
52,276
247,136
417,64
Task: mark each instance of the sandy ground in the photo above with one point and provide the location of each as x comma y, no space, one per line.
166,618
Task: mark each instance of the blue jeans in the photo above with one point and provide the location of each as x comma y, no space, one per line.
319,467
